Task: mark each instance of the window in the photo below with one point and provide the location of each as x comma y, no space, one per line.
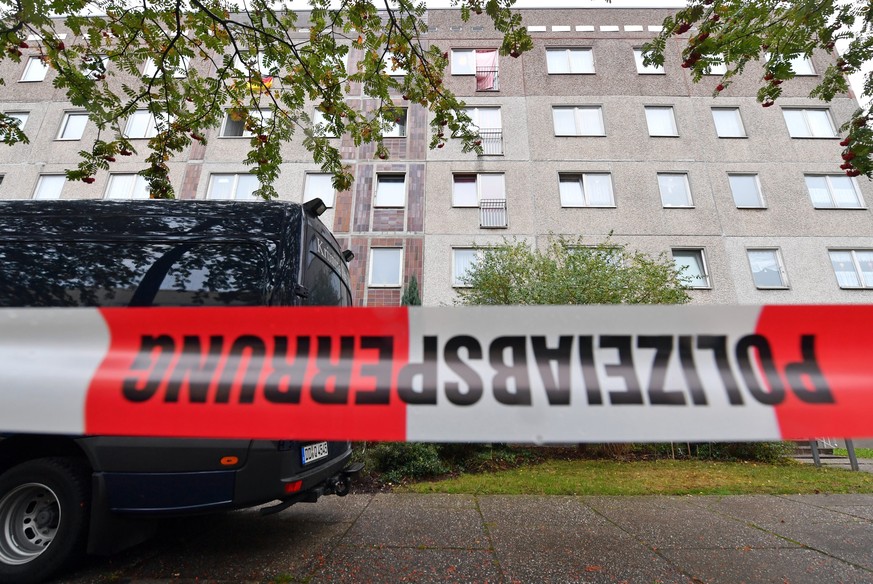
691,266
661,121
469,189
809,123
241,123
49,186
728,123
463,258
321,125
391,65
385,267
35,69
94,66
716,69
463,62
141,124
390,190
21,118
126,186
150,68
674,188
746,191
833,191
398,129
233,186
569,60
578,121
318,185
586,190
802,66
767,269
490,128
853,267
254,65
479,62
73,126
643,69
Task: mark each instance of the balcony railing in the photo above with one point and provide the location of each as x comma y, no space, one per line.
492,141
492,214
487,79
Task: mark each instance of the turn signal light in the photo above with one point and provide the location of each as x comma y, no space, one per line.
229,460
293,487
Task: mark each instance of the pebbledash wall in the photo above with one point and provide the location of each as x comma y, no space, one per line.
758,206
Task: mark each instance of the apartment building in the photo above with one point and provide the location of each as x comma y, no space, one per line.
579,138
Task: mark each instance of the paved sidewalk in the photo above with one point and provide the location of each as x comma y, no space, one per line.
465,538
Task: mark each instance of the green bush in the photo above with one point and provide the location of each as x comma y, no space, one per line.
399,461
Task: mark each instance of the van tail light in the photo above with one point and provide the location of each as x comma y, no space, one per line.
293,487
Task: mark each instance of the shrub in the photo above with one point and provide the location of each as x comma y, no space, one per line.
399,461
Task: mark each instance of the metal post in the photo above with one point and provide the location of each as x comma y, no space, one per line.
813,445
853,460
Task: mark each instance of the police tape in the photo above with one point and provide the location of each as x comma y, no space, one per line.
491,374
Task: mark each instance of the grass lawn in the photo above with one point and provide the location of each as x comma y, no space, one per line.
859,452
655,477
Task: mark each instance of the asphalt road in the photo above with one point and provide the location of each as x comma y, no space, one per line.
466,538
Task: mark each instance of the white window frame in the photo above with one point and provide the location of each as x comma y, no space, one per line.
35,70
264,114
809,129
22,118
803,66
579,127
700,253
474,112
374,251
455,66
234,187
738,119
568,51
642,69
65,123
649,121
137,189
716,69
856,267
585,177
150,68
311,190
687,183
398,129
43,182
757,181
150,128
389,199
777,255
831,190
318,119
456,281
388,67
258,67
478,182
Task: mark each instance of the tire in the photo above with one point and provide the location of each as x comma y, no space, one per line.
44,508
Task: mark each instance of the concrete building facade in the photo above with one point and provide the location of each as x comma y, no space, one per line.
578,140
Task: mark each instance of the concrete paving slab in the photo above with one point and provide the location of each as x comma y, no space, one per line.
771,511
679,522
760,566
419,521
358,565
328,509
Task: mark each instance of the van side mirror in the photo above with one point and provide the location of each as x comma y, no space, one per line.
316,207
348,255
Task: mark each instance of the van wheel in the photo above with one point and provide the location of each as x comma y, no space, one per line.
44,505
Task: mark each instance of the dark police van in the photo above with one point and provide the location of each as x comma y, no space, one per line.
62,495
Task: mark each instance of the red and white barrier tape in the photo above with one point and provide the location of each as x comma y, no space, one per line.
502,374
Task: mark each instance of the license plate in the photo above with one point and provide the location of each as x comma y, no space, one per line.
313,452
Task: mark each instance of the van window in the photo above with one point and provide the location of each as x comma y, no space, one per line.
324,284
87,273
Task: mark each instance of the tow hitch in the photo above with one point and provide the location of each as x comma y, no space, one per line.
339,485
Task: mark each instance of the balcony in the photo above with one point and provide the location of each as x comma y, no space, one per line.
492,214
487,79
492,141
